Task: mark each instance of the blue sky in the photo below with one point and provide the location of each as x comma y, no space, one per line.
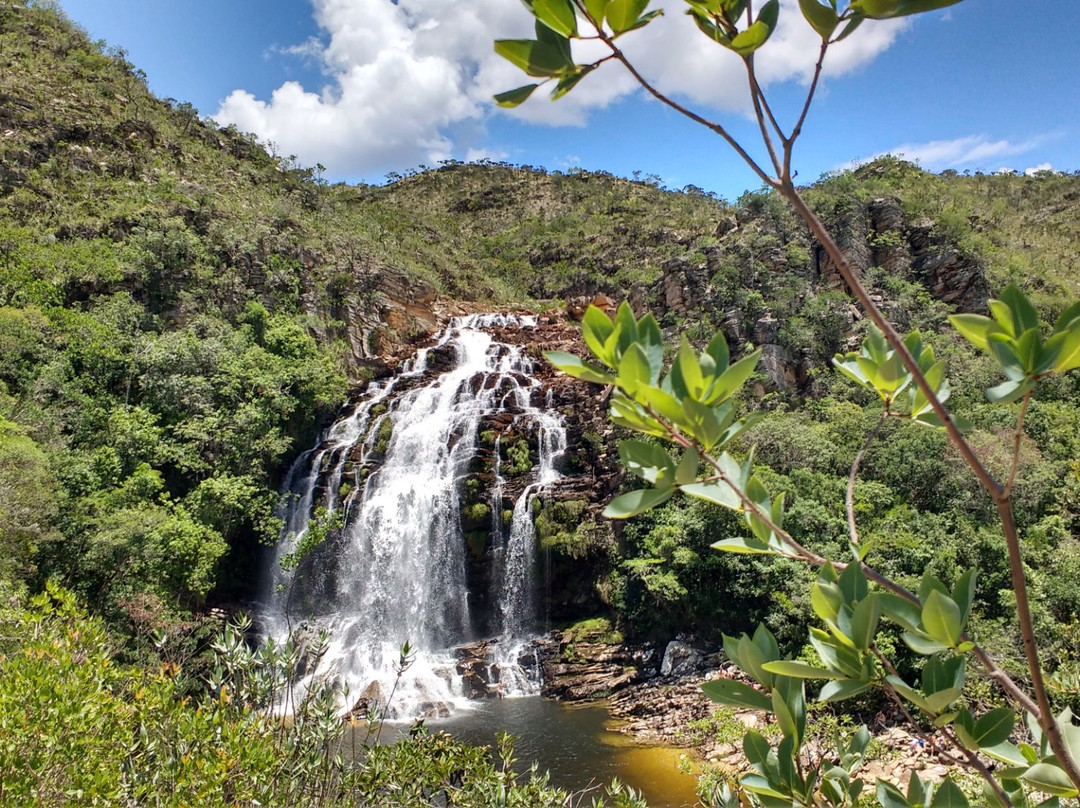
367,87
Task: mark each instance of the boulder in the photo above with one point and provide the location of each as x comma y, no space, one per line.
681,659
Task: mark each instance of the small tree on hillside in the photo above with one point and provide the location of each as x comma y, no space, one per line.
691,407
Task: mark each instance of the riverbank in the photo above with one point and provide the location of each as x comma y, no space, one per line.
655,698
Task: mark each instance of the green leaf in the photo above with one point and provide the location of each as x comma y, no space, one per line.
596,328
627,505
719,492
911,694
511,98
690,371
964,727
626,327
703,424
937,703
785,718
939,674
744,545
825,598
633,369
901,610
534,57
645,20
764,788
1067,317
889,796
625,412
665,404
748,41
852,583
908,7
1010,391
1024,316
849,29
864,621
921,644
1006,753
994,727
686,472
622,15
596,9
652,342
975,328
732,693
949,795
756,749
1051,778
822,19
731,380
799,670
941,619
1069,354
558,15
647,461
1029,350
718,350
842,689
572,366
567,83
964,593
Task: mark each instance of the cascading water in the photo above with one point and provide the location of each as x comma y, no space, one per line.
400,567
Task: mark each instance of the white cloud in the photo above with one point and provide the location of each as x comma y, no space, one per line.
411,81
1036,169
970,151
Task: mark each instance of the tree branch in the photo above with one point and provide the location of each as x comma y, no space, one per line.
685,111
849,498
789,143
1018,435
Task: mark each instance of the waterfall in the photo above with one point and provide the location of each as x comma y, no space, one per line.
399,570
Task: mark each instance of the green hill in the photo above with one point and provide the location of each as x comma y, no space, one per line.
181,311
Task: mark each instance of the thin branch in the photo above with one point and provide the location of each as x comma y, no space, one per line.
849,498
994,671
689,113
763,114
892,336
789,143
1018,435
969,757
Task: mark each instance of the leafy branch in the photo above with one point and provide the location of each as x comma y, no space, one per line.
691,408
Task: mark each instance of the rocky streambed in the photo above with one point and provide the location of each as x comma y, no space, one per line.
654,696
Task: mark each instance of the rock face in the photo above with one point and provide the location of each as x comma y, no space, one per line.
738,281
581,671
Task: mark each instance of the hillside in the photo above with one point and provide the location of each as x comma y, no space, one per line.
182,311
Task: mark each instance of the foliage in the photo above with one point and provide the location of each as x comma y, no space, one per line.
689,408
76,728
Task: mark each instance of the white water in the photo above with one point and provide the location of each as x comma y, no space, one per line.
401,572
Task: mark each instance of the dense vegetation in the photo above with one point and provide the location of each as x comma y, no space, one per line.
175,307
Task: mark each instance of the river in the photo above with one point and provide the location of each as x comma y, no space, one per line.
575,744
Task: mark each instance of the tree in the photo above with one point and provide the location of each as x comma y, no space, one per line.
692,408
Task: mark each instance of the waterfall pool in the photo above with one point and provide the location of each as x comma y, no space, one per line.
575,744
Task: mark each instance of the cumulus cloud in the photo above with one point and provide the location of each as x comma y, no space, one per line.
411,81
970,151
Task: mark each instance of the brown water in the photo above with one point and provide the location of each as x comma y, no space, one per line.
575,744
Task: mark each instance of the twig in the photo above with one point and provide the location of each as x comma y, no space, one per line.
849,498
1018,435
